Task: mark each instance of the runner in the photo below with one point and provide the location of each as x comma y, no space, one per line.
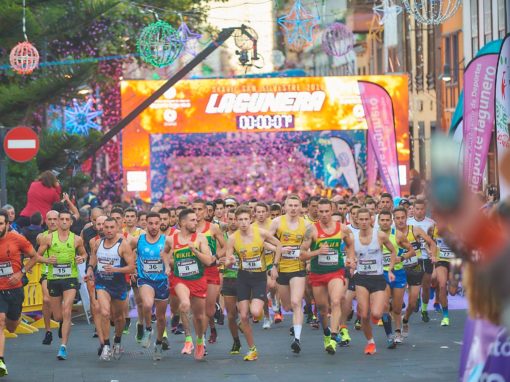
290,273
52,224
350,295
322,247
152,280
214,238
142,220
189,255
65,251
12,247
443,258
394,289
248,242
110,260
369,279
275,210
229,289
427,225
413,268
311,216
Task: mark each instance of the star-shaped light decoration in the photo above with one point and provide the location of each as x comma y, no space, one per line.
80,118
386,9
189,39
298,26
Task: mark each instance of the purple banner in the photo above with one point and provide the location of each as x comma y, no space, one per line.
378,109
478,117
371,168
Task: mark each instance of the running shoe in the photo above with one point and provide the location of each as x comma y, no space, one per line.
344,335
295,346
278,318
48,337
221,319
213,336
199,352
398,337
252,355
329,345
62,353
391,344
153,318
3,369
164,343
315,322
291,331
370,349
179,329
126,327
309,318
139,333
357,324
267,323
146,339
437,307
188,348
445,321
405,330
236,348
380,323
158,352
116,351
275,305
425,316
95,333
106,354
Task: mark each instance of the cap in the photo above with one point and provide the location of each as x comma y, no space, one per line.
404,201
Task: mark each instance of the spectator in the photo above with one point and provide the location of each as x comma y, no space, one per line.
34,229
43,192
90,197
12,215
416,184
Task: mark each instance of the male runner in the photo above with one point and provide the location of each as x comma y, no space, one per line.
166,228
52,224
219,211
290,272
321,246
142,220
275,210
248,242
426,224
412,266
351,290
189,255
152,279
12,247
311,216
443,258
214,238
394,289
111,259
65,251
369,279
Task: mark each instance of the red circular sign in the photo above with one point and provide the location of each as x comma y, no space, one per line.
21,144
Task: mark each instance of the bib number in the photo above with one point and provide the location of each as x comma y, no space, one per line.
446,254
367,267
328,260
386,259
101,263
410,262
188,268
293,254
6,269
152,266
252,264
62,270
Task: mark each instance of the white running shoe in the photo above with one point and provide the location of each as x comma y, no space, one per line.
117,351
267,323
158,352
106,354
146,339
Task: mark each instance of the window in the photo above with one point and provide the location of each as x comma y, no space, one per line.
474,26
455,58
501,19
487,15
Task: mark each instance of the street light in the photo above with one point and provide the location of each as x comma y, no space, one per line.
446,75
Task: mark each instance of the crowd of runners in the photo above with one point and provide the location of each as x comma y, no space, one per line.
243,262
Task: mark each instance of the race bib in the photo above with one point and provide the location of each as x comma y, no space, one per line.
328,260
366,267
235,266
410,262
293,254
188,268
101,264
62,270
253,264
6,269
446,254
152,266
386,259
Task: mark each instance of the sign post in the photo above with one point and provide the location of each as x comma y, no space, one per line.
3,169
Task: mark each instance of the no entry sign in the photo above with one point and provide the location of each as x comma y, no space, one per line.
21,144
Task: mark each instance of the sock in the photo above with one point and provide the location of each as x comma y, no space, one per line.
327,332
107,342
424,306
158,342
200,340
237,340
2,359
149,328
116,340
189,339
308,309
405,321
139,325
343,327
371,341
445,312
175,320
297,331
253,348
334,335
128,321
213,329
386,319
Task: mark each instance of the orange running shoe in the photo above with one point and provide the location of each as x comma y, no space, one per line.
188,348
199,352
278,318
370,349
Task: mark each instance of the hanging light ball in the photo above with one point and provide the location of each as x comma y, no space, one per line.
24,58
245,38
159,44
337,40
432,12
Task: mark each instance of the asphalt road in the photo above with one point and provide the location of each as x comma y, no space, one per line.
431,353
